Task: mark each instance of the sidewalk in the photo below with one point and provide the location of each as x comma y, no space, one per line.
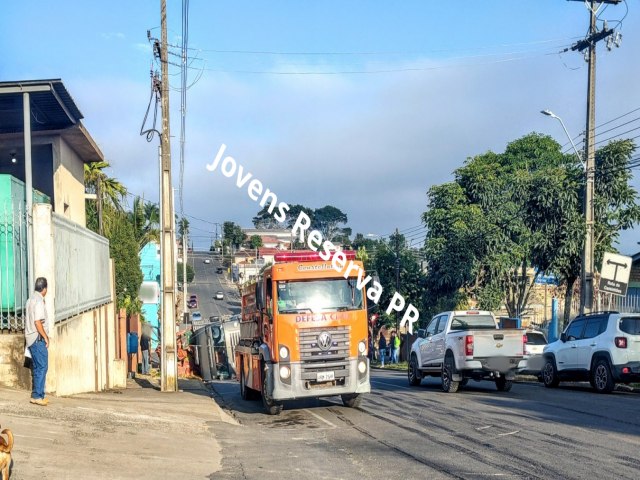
135,433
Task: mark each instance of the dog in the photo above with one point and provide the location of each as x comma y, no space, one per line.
5,453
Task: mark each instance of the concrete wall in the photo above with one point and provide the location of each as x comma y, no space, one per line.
68,180
83,352
12,372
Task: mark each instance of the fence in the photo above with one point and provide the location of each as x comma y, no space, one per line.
13,265
81,268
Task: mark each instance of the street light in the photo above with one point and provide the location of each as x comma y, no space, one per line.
586,274
549,113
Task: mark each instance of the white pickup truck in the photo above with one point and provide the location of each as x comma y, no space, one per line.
461,345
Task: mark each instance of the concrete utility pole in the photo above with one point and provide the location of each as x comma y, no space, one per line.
169,378
586,277
397,276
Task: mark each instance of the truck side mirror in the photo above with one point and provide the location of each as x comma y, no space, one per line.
422,333
259,295
563,337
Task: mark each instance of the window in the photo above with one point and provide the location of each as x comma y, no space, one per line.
536,338
630,325
574,331
441,324
470,322
318,296
593,327
431,329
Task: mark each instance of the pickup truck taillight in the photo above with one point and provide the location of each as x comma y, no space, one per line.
524,344
621,342
468,345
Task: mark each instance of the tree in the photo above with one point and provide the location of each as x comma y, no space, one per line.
509,217
232,234
109,194
190,273
145,218
255,241
123,248
327,220
265,220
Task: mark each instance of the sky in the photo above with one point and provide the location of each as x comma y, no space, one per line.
362,105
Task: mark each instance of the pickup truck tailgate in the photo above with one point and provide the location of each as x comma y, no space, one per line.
497,343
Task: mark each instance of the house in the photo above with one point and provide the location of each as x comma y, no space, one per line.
44,146
271,238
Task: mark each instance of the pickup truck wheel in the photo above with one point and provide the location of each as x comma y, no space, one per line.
550,374
503,385
602,378
415,378
351,400
448,369
270,405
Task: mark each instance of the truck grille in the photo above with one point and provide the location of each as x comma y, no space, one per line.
333,357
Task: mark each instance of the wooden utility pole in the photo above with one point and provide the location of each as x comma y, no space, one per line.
169,378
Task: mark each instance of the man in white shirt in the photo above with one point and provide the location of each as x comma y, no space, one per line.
36,333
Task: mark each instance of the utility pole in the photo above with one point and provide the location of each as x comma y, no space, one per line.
397,276
586,287
169,379
589,44
184,265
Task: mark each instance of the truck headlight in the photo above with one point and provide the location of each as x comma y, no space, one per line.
285,372
362,366
284,352
362,347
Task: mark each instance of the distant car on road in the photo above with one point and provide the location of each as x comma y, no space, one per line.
219,270
219,296
193,301
207,261
195,316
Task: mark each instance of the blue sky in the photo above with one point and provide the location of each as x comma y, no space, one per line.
455,80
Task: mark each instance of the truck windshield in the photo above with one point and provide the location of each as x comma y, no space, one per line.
473,322
316,296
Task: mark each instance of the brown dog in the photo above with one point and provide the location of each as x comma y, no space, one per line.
5,453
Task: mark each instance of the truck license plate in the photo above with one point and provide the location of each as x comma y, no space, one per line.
325,376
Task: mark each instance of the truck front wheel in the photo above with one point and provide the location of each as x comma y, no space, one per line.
415,378
351,400
448,370
270,405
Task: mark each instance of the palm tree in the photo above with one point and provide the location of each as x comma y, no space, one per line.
109,194
145,218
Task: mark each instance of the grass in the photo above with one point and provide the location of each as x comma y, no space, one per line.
391,366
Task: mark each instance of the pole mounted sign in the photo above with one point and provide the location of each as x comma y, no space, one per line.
615,271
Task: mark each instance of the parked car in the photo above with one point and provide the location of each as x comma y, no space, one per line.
219,296
601,347
462,345
219,270
533,362
207,261
195,316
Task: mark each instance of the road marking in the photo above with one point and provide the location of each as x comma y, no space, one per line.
484,428
508,433
321,419
390,384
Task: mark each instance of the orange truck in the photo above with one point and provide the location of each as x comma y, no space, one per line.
303,333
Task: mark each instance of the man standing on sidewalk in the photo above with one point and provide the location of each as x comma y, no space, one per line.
144,346
36,332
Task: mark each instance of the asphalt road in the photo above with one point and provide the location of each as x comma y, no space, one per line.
207,282
403,432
